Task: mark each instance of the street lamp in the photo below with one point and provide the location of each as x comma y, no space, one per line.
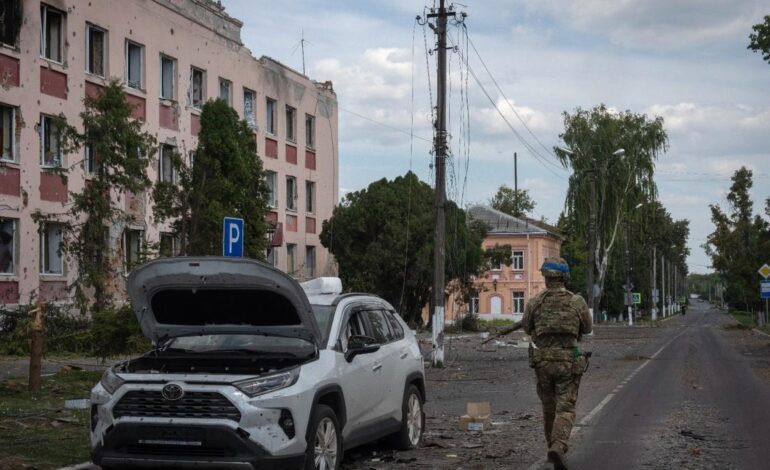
591,288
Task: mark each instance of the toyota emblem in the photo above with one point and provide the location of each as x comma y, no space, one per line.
172,392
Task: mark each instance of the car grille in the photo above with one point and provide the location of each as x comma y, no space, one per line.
178,451
151,404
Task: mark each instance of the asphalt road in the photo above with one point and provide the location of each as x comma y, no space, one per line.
695,403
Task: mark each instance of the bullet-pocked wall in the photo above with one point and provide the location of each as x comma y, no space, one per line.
171,56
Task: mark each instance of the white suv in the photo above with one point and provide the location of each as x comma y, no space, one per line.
252,370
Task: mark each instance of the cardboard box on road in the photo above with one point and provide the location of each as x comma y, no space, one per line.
477,417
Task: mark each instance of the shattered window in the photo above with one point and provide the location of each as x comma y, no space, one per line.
166,164
270,177
270,126
52,33
291,124
132,248
291,193
167,67
7,133
10,21
50,249
249,112
291,253
8,229
95,49
197,84
225,90
134,64
309,196
309,261
309,131
90,162
49,136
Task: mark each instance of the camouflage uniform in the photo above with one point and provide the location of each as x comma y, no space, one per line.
556,319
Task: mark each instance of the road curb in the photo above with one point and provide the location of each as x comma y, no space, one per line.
761,332
79,466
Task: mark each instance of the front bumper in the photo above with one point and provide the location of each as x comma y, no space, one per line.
210,446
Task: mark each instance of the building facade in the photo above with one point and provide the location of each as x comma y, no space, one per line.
171,56
504,291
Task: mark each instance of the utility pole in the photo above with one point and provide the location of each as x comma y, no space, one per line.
654,283
663,285
628,276
592,246
515,175
440,150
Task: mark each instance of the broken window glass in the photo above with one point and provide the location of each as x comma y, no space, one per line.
7,133
196,87
167,78
10,21
95,50
249,98
7,245
270,116
309,131
51,35
51,153
50,249
134,66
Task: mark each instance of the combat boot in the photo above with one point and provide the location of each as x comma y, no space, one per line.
556,457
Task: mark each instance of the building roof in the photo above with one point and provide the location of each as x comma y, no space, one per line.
500,223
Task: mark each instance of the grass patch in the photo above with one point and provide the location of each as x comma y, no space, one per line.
36,430
744,318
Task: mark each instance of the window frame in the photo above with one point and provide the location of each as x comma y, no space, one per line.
310,266
272,193
90,161
43,134
45,262
291,124
191,94
517,261
16,19
14,246
291,258
129,264
163,156
174,245
291,193
44,34
517,299
11,135
271,126
309,131
172,95
89,28
251,116
127,68
229,83
310,197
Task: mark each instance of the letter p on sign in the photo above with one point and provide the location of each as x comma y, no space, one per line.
232,237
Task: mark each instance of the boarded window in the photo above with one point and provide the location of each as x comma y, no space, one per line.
95,50
52,33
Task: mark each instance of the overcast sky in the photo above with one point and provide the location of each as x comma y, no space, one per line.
684,60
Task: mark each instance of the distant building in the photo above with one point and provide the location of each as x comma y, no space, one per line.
172,56
503,292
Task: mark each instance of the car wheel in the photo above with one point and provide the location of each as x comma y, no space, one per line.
412,420
324,443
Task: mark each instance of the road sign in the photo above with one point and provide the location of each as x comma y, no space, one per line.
764,271
764,289
636,297
232,237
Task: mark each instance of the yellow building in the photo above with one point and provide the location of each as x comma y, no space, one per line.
503,292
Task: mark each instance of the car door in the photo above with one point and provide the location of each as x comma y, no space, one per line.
362,379
388,357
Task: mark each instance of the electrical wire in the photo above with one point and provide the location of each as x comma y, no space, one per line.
388,126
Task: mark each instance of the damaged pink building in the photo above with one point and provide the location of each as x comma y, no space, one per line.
172,56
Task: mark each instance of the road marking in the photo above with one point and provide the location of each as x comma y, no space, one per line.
587,418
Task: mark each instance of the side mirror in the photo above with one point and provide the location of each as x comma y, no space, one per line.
360,344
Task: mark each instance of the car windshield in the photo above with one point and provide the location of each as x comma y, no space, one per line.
245,343
323,316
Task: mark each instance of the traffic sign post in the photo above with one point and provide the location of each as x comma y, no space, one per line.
764,289
636,298
232,237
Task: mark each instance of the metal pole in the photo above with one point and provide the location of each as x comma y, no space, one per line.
663,285
515,176
654,283
440,206
628,275
592,246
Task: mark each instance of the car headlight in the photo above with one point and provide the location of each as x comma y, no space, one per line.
110,381
270,383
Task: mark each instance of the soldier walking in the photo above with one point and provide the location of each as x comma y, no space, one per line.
556,319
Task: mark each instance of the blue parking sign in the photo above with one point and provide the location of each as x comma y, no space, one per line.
764,289
232,237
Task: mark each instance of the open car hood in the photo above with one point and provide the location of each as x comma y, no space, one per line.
212,295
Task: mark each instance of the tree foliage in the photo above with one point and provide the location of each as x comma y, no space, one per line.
759,40
513,202
593,137
382,239
122,152
226,179
740,242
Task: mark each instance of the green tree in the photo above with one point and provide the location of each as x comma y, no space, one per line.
226,180
122,152
513,202
739,244
382,239
592,138
759,40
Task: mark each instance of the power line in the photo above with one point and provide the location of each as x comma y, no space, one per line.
380,123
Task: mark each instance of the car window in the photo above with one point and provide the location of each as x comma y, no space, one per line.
380,329
323,315
395,325
354,327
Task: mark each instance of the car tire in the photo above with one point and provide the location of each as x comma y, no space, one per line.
412,420
324,442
